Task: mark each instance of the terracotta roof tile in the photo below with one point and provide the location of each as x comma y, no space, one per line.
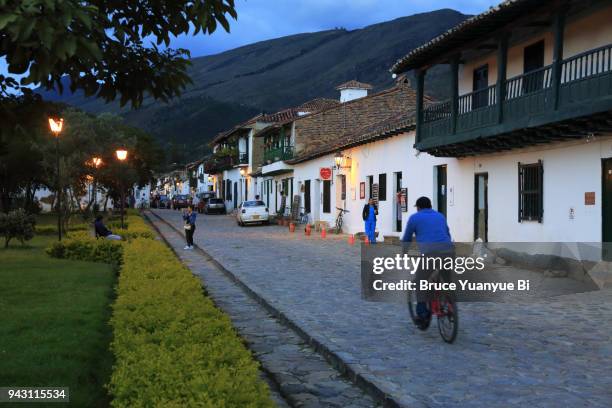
318,104
353,85
353,120
472,28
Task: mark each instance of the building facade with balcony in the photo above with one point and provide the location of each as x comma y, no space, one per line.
360,149
525,139
231,163
274,183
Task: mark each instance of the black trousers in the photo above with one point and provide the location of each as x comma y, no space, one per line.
424,273
189,235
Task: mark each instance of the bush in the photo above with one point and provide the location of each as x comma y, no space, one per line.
17,224
81,246
45,230
172,346
52,229
136,227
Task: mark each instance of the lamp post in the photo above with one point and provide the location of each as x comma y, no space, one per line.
56,128
97,162
122,156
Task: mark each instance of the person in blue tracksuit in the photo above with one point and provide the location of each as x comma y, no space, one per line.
370,211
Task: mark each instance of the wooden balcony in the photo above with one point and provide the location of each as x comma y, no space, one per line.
277,154
570,99
217,164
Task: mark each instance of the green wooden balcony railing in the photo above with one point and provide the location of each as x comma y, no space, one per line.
584,87
277,154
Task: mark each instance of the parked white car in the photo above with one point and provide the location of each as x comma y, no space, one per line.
251,212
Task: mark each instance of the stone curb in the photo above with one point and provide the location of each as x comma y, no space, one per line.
270,376
332,357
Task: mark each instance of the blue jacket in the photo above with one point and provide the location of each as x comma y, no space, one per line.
101,229
430,227
190,219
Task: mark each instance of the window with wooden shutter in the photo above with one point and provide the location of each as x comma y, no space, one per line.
531,188
327,196
382,187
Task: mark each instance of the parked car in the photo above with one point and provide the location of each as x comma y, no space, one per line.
203,199
181,201
163,201
251,212
214,205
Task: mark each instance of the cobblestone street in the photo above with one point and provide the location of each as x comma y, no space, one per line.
551,352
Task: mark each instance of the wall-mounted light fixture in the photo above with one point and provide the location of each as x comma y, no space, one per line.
342,161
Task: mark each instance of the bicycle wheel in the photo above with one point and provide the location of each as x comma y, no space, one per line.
338,225
412,304
448,319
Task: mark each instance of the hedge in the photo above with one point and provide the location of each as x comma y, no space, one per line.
82,246
173,347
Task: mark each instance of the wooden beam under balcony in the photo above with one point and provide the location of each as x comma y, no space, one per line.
557,64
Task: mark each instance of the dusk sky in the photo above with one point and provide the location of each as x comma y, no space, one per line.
266,19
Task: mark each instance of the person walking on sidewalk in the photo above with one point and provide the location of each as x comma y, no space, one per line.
370,211
189,216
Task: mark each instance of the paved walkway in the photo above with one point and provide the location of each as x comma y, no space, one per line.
554,352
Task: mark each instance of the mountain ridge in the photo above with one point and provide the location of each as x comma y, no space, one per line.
273,74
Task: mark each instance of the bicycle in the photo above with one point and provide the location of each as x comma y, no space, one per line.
340,219
442,305
303,217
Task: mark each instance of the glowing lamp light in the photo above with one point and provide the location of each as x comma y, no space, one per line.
242,172
56,125
341,161
96,161
338,158
121,154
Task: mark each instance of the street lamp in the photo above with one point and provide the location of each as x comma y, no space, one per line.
96,162
122,156
56,128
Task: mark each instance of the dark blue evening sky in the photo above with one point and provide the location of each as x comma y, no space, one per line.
266,19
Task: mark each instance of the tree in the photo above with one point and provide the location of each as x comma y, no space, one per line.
20,148
99,44
17,224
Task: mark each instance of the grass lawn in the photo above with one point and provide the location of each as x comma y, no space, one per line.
54,322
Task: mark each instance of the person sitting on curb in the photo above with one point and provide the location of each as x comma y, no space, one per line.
102,231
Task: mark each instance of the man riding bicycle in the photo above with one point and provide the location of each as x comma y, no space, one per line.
434,240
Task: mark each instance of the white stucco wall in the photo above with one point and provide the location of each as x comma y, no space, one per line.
570,170
583,32
350,94
235,177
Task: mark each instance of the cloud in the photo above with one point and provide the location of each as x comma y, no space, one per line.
266,19
260,20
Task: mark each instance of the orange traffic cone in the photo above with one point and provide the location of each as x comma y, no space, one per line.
366,240
351,239
291,227
307,230
323,232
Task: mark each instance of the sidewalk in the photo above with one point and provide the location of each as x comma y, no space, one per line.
555,352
